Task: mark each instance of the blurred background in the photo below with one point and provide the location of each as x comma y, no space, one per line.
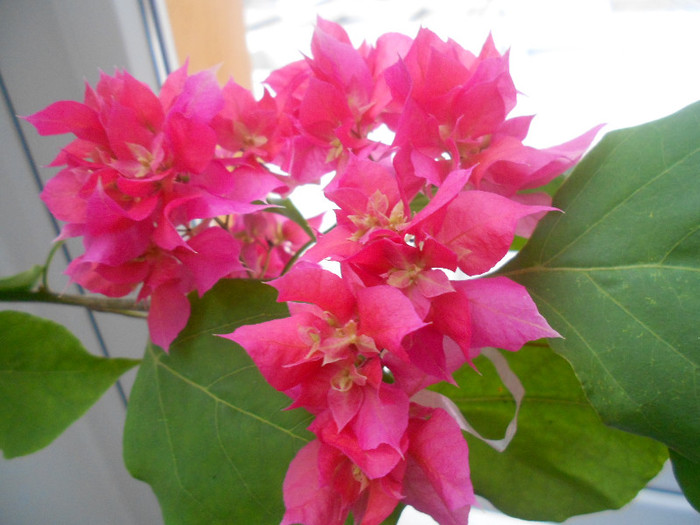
577,63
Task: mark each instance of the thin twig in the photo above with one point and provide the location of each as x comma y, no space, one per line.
125,307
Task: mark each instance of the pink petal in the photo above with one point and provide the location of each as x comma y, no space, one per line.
384,494
305,499
336,58
323,109
527,224
124,128
87,274
311,284
335,244
484,102
215,256
557,159
387,316
68,116
344,405
192,142
111,237
503,314
365,177
437,473
375,463
139,96
382,419
479,227
448,191
200,97
189,205
61,195
173,85
450,316
168,314
243,185
425,349
276,347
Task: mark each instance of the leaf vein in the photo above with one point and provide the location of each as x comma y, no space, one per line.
622,267
680,241
161,406
618,205
230,374
221,328
589,347
576,197
230,460
641,323
230,405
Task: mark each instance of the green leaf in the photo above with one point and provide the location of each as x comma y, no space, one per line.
203,428
419,202
687,473
47,381
286,208
618,275
563,460
21,282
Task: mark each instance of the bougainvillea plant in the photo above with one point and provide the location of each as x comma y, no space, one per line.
395,361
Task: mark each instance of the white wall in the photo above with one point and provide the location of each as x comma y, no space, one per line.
47,49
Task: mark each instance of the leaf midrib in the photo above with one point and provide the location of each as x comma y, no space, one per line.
541,268
618,304
526,400
602,218
158,362
602,365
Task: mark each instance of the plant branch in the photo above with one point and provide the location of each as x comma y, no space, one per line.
125,307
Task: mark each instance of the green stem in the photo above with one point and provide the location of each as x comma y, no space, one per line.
294,258
301,250
125,307
49,258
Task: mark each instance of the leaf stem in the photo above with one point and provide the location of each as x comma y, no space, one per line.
301,250
49,258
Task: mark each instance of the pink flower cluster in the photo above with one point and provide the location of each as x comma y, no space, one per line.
168,195
446,194
162,190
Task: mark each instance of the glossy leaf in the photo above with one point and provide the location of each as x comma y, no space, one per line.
563,460
47,381
687,473
203,428
618,275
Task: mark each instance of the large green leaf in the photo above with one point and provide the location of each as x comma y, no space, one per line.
47,381
618,275
203,428
563,460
